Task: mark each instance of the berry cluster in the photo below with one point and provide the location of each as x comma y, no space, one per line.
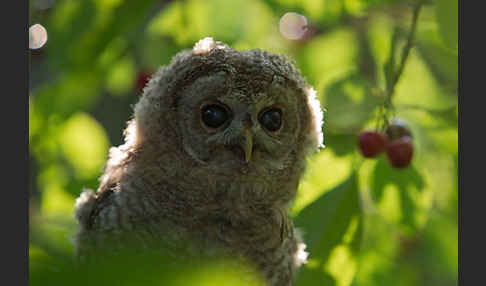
396,141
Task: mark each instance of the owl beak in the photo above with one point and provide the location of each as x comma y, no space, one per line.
247,145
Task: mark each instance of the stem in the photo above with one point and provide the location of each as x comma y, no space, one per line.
395,76
406,49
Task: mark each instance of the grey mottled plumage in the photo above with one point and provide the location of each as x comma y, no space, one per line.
177,180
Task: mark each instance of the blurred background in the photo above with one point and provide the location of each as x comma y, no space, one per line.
365,222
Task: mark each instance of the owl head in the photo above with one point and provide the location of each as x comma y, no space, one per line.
230,111
223,112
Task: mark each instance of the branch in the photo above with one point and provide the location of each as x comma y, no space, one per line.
406,50
393,75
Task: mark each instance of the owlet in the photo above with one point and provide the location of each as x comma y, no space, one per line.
213,157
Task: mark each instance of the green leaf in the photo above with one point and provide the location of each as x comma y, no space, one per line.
71,21
324,171
384,174
127,268
404,180
447,17
120,79
418,86
85,144
325,223
350,103
438,253
342,144
186,22
314,276
328,57
82,31
441,60
74,91
390,65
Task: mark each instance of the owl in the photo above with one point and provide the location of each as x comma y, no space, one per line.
212,156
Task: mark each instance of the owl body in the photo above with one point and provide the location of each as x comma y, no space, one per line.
212,157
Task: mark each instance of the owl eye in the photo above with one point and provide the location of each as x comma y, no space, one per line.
271,119
214,115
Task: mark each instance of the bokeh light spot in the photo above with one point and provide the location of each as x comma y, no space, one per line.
37,36
293,26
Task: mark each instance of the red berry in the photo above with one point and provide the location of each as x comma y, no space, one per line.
398,129
400,151
371,143
142,79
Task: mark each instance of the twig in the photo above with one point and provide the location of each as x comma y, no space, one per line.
407,48
395,74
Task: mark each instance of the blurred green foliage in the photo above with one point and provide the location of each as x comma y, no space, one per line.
365,223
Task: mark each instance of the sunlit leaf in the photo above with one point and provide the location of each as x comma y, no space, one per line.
128,268
442,61
121,77
328,57
187,22
447,139
325,222
324,171
260,29
379,33
171,22
378,252
417,86
399,203
56,202
85,144
226,273
355,7
341,265
315,9
350,103
107,4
